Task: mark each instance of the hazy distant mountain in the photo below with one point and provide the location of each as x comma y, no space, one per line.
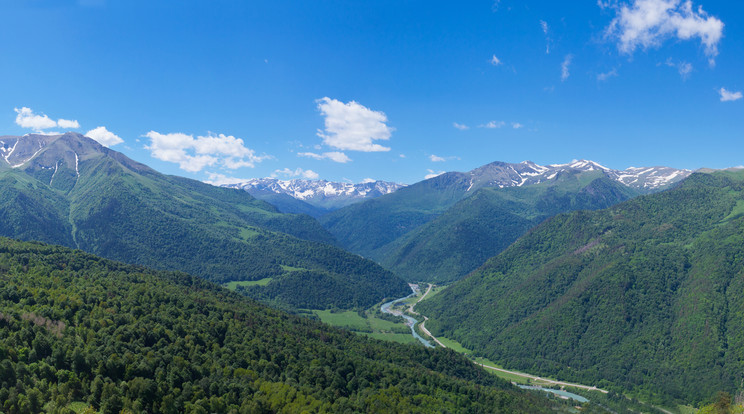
314,197
645,295
69,190
367,227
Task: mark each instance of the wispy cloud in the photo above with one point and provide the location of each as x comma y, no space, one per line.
648,23
492,124
546,31
728,96
517,125
221,179
461,127
565,67
495,61
298,172
193,154
351,126
607,75
683,68
432,174
334,156
104,136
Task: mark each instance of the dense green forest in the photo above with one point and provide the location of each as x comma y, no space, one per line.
79,194
645,296
482,225
78,329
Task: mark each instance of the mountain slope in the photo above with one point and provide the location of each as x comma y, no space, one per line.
97,200
78,328
482,225
646,295
367,227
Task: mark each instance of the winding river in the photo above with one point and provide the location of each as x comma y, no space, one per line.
411,322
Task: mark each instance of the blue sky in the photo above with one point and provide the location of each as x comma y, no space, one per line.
393,90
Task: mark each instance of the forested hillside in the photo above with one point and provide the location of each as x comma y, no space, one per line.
482,225
644,296
76,193
78,329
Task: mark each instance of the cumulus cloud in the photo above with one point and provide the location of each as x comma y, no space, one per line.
565,66
648,23
299,172
461,127
67,123
435,158
104,136
493,124
727,96
193,154
334,156
433,174
351,126
495,61
26,118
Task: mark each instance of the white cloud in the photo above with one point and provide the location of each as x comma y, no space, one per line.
352,126
565,67
402,155
433,174
495,61
607,75
435,158
684,68
517,125
193,154
221,179
299,172
67,123
545,28
461,127
493,124
648,23
368,181
333,156
727,96
104,136
26,118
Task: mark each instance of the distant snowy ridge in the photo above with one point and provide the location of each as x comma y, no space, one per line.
500,174
318,192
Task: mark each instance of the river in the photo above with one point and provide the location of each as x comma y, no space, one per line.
411,322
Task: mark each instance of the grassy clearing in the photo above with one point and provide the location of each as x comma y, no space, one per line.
367,325
348,319
246,283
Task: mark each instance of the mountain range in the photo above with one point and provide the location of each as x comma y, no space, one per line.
69,190
390,229
646,295
313,197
